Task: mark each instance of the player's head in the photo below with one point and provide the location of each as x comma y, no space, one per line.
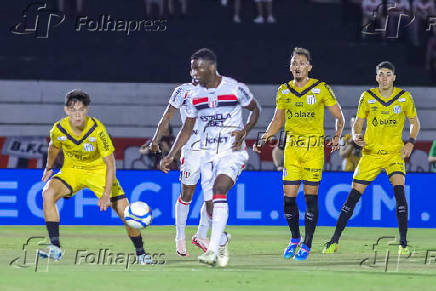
385,75
203,65
76,106
300,63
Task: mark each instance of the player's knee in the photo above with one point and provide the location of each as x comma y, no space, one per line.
220,188
187,192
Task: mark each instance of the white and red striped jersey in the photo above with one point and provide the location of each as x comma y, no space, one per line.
179,100
219,113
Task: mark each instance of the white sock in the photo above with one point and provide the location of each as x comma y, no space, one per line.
182,210
205,222
223,239
219,222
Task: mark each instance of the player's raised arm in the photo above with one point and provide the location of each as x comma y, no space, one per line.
104,201
273,127
162,126
240,135
53,152
336,111
181,139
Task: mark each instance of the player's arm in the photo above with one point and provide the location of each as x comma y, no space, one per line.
273,127
357,131
104,200
53,152
336,111
162,126
415,126
240,135
181,139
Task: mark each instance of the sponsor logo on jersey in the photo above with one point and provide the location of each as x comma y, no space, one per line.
104,140
316,91
311,99
299,104
402,100
92,139
62,137
385,122
298,114
87,147
397,109
286,91
371,101
216,120
384,112
374,108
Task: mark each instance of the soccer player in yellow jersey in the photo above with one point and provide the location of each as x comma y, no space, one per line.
88,163
300,107
385,108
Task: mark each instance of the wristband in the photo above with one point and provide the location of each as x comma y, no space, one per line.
411,140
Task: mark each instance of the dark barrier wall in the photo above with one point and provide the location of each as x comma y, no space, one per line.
256,199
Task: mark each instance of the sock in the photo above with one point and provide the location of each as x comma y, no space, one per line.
219,220
311,218
139,245
402,213
346,213
292,215
205,221
223,239
182,210
53,232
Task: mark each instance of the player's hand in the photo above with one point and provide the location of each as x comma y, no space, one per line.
149,146
239,139
47,174
334,143
165,164
407,150
257,146
104,202
358,139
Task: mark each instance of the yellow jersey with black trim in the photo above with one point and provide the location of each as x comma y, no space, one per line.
304,111
85,151
385,119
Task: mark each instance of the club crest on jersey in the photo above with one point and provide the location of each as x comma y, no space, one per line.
212,103
87,147
311,99
92,139
371,101
62,137
397,109
316,90
286,91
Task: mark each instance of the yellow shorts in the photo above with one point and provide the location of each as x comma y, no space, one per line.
370,165
95,180
302,164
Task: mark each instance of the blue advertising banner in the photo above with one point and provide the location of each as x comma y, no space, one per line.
256,199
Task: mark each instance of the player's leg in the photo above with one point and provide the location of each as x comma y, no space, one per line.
367,170
119,204
52,192
396,172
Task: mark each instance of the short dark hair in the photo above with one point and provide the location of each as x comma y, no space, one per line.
205,54
303,52
77,95
386,65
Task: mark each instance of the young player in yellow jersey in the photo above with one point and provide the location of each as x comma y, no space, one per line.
300,107
88,163
385,109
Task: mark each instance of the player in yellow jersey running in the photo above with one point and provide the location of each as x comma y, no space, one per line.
385,108
88,163
300,107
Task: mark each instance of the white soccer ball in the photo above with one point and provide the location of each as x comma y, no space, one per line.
138,215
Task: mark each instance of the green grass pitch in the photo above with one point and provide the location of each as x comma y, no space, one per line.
256,261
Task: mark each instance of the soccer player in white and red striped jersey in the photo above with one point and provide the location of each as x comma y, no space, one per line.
216,106
189,172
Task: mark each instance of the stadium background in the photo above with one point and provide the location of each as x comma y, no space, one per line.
130,78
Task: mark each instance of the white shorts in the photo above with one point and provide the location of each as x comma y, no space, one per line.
230,164
190,170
